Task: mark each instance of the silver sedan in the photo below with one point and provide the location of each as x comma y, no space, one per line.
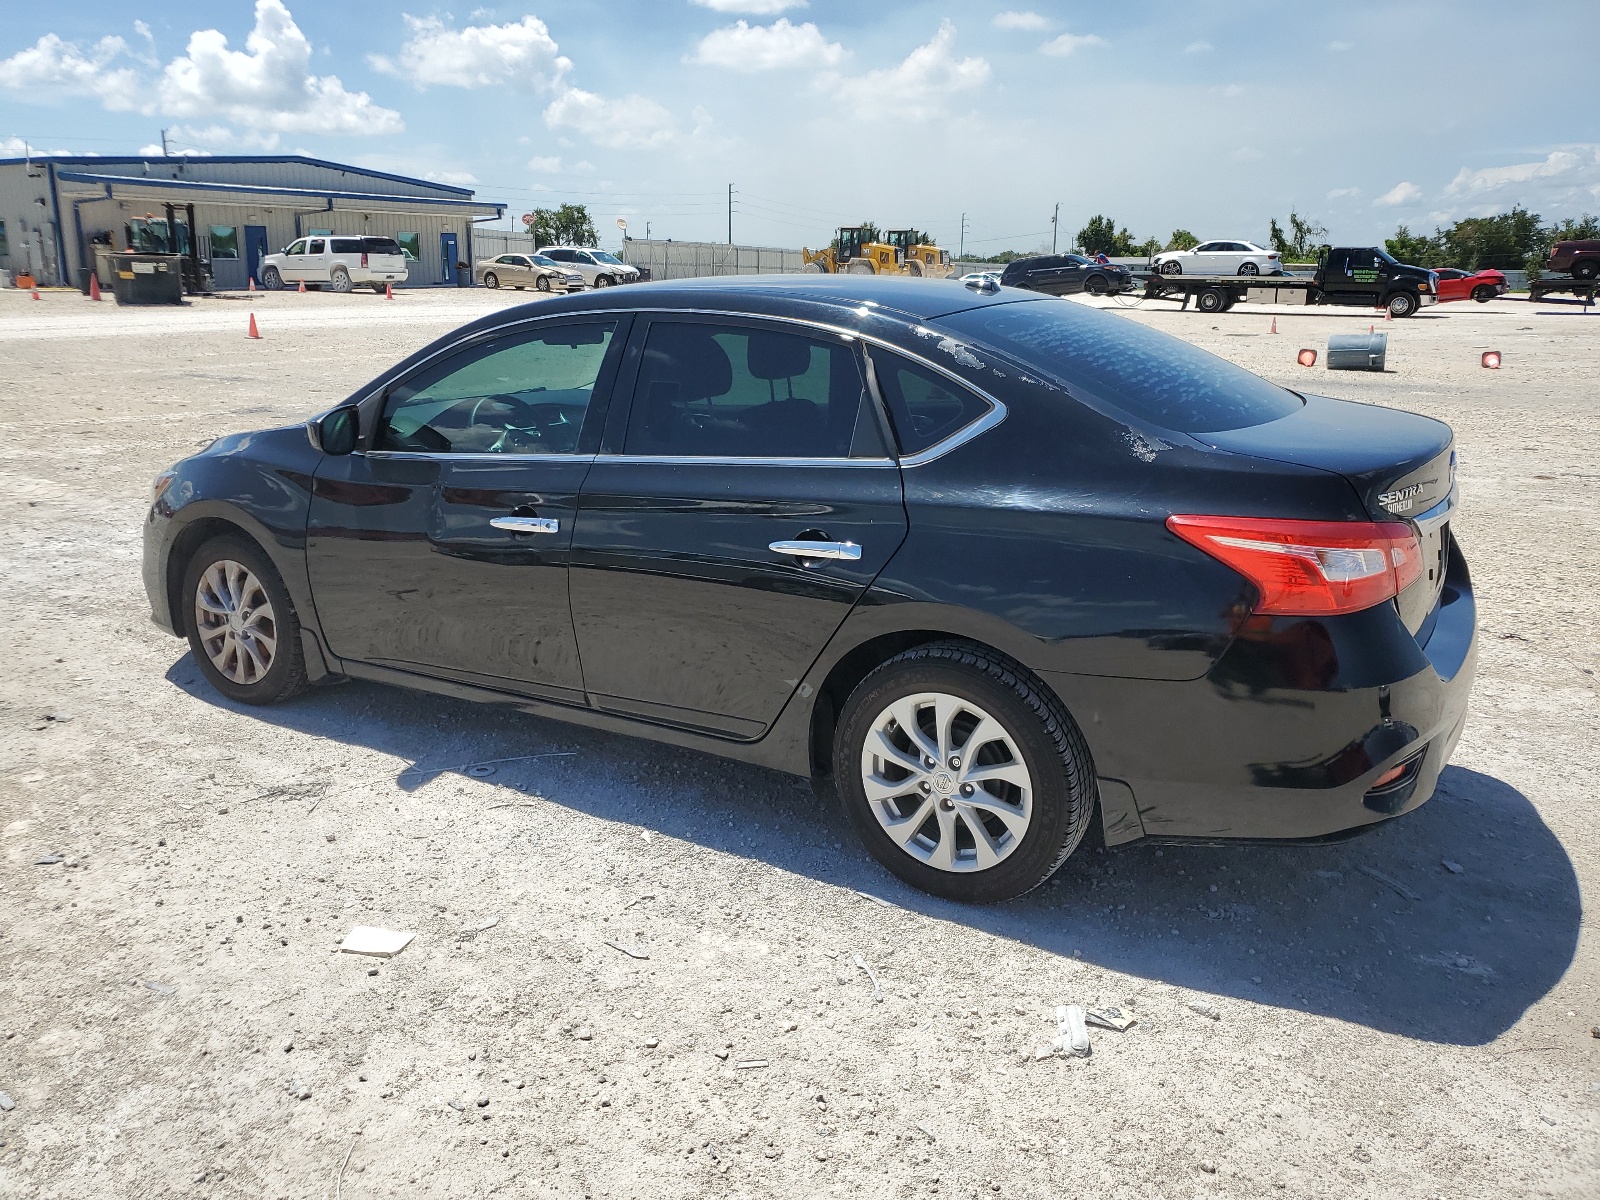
528,270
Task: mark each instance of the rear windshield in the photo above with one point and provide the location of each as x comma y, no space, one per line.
380,245
1146,374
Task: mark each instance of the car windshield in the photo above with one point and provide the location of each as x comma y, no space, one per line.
1387,257
540,260
602,256
1143,372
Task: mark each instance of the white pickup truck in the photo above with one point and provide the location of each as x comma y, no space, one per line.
338,263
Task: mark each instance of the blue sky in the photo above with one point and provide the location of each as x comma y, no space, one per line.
1212,116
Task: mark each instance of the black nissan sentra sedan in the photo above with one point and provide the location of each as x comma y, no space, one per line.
1004,571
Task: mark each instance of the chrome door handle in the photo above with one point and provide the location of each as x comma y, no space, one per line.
526,524
848,551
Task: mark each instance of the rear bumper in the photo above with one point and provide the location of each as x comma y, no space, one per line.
1286,737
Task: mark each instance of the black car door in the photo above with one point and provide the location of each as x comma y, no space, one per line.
442,546
742,504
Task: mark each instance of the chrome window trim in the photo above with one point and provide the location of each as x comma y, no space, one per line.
996,413
715,460
449,456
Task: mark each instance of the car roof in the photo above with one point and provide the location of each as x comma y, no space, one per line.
816,297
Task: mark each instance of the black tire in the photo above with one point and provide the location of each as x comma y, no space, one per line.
1249,268
286,672
1586,269
339,280
1483,294
379,289
1097,285
1211,300
1172,267
1402,304
271,280
491,280
1051,746
601,281
542,283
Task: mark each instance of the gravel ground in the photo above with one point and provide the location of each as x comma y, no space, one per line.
639,971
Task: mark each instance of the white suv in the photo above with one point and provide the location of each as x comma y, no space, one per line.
598,268
338,262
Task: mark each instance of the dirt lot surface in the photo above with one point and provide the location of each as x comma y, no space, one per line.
1407,1014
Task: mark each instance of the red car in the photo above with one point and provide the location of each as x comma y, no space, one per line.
1482,286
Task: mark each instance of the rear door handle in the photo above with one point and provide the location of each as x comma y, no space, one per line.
848,551
526,524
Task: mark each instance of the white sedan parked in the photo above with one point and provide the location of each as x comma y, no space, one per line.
1219,258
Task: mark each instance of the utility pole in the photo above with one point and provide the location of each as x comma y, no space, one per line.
730,214
163,143
962,252
1054,221
647,231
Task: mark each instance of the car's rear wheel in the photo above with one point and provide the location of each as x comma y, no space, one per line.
380,289
542,283
242,626
1211,300
961,774
1402,304
1586,269
1249,268
339,280
491,280
1483,293
271,280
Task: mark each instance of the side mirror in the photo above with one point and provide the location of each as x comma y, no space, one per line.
335,432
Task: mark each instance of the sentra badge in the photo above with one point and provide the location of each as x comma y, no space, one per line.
1402,499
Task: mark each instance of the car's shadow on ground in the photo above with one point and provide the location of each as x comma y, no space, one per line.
1381,931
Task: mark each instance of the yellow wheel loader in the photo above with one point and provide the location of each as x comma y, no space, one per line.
852,255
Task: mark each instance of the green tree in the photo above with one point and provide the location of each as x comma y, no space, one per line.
1504,241
1417,249
569,225
1099,236
1182,239
1305,240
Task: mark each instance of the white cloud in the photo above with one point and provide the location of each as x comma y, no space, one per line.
629,122
1198,48
155,149
1404,192
546,164
1341,193
1555,164
15,147
1060,47
759,8
52,68
266,86
1340,47
744,47
917,86
522,54
1021,20
455,178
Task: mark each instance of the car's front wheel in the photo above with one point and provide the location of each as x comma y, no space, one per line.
603,281
1402,304
961,774
1172,267
271,280
1096,285
242,625
542,283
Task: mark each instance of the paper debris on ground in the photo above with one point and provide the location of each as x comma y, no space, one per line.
369,939
161,989
1110,1018
750,1064
1072,1036
6,1102
877,988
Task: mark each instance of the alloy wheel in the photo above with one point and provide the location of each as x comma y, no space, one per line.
235,622
947,782
491,280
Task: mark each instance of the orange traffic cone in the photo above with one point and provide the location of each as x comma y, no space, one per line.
36,293
252,286
1388,315
1274,328
1372,329
253,332
302,286
388,291
94,288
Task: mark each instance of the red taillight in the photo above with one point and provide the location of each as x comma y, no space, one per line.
1310,568
363,258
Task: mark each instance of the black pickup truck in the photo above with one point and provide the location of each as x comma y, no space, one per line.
1364,276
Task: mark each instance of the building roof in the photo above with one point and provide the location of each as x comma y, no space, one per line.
267,192
298,159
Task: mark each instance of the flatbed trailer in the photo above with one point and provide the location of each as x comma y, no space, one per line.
1587,290
1219,293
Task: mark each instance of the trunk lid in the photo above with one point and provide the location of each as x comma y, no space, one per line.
1402,465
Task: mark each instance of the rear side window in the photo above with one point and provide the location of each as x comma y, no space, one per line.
743,392
925,406
316,246
347,245
1146,374
380,245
